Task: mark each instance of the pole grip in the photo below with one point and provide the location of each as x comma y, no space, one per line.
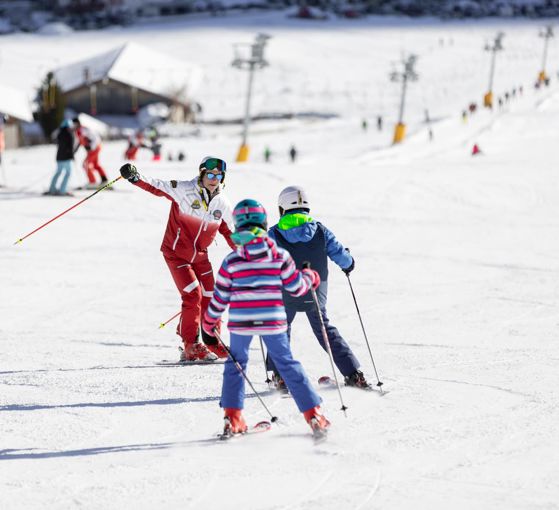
306,264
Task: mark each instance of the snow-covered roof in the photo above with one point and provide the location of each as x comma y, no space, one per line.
136,66
15,103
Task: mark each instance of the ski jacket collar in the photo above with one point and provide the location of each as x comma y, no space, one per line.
302,231
291,220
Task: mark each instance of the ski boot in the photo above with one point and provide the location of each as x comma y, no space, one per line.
318,423
279,384
214,345
234,423
197,352
357,380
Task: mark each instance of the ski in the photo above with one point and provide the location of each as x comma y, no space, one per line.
261,426
326,380
171,363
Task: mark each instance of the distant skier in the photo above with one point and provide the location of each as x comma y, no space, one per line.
64,159
199,210
267,154
379,123
91,142
135,142
250,282
308,240
155,144
364,125
293,153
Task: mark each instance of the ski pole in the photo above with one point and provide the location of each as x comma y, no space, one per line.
307,265
379,383
68,210
268,380
163,324
243,373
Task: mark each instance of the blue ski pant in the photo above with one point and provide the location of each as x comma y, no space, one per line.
343,356
291,371
62,167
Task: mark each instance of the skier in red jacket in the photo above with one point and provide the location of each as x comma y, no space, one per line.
198,211
91,141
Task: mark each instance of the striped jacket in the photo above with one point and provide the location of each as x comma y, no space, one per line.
250,281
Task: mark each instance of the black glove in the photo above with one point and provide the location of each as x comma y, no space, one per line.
349,269
208,339
129,172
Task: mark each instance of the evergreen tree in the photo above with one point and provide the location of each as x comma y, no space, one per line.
52,104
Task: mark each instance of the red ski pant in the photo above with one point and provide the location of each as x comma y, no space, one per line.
91,163
195,282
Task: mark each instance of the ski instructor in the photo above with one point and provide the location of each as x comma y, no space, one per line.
198,211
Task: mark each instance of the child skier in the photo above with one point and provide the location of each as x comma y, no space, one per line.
308,240
250,282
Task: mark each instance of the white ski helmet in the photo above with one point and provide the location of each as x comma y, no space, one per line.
293,197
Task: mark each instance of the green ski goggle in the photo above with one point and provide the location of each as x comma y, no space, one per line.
214,164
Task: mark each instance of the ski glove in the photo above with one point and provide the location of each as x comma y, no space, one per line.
349,269
312,277
129,172
208,336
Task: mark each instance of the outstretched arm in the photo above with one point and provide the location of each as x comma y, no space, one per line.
167,189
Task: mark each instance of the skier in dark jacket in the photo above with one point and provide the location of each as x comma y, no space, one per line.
64,158
308,240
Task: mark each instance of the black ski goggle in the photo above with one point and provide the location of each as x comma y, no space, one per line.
213,175
214,164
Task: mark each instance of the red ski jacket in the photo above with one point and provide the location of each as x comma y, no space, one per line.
194,219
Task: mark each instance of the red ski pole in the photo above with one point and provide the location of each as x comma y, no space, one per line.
163,324
68,210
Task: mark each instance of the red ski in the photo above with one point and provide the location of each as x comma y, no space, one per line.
261,426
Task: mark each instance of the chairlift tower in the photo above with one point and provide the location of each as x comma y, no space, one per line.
546,34
408,74
251,58
493,48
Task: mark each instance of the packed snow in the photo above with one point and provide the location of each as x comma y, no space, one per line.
456,279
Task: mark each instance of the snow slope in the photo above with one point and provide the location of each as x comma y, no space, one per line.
456,277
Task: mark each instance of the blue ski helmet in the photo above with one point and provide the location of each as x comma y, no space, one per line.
249,213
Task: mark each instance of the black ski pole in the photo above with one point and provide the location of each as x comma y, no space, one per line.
268,380
273,418
379,383
307,265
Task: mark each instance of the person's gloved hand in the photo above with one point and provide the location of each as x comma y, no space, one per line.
130,172
312,277
349,269
208,335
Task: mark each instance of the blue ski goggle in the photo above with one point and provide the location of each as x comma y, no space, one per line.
213,175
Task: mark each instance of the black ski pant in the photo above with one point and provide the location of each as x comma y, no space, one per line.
343,356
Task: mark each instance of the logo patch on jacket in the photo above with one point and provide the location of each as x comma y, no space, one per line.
196,204
217,214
